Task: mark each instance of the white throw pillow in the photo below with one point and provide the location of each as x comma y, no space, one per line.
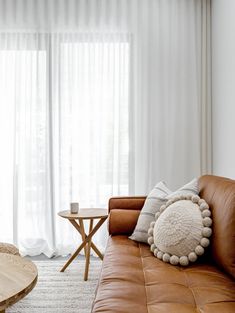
156,198
181,230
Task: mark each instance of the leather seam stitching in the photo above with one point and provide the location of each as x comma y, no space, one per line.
194,298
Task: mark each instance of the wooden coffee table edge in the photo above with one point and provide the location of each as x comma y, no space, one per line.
20,295
96,213
17,297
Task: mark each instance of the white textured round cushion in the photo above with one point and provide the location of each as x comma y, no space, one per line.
181,229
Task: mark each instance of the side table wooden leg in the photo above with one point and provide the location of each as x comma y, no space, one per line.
97,251
93,246
88,251
83,234
87,239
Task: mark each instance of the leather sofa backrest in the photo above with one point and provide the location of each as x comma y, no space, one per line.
219,193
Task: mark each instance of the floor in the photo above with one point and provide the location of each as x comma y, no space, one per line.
57,292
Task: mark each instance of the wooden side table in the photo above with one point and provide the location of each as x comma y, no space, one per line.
77,221
18,277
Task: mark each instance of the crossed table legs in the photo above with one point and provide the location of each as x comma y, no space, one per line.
87,243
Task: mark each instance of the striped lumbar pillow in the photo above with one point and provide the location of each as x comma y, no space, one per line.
190,188
156,198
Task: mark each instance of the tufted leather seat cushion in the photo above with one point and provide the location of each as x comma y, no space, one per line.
132,280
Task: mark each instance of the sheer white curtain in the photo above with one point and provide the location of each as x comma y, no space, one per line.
90,135
97,98
67,99
170,134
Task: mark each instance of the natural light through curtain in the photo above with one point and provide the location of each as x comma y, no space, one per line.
94,120
23,141
93,141
65,114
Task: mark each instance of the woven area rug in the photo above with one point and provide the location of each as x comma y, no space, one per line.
57,292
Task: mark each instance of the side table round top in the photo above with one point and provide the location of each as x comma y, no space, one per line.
18,276
85,214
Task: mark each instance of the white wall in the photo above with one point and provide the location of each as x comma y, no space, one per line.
223,87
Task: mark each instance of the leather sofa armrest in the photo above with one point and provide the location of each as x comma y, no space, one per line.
126,203
124,213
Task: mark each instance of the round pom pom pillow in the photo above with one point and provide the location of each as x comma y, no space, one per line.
181,230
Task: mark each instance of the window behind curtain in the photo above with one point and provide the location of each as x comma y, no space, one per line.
64,132
94,119
23,113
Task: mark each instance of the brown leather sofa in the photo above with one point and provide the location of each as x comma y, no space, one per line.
133,281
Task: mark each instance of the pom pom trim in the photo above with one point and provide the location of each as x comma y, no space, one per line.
206,232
